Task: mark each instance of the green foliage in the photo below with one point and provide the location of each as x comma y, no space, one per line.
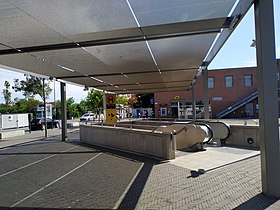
74,110
121,100
20,106
5,109
70,106
32,86
7,93
94,101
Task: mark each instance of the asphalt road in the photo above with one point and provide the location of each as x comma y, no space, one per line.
49,173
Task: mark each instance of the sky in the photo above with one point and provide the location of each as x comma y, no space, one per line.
237,48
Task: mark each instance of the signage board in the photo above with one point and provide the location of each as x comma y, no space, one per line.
111,116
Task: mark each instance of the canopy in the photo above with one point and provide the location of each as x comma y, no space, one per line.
121,46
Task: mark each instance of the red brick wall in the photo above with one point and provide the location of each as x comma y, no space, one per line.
229,96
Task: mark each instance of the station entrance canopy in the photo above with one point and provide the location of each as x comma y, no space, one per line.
122,46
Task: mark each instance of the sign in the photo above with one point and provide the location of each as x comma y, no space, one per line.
217,98
110,101
111,116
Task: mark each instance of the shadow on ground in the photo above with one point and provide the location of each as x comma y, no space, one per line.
258,202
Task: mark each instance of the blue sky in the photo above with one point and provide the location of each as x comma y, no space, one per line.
235,53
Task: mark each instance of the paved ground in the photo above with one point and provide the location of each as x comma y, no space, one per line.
50,174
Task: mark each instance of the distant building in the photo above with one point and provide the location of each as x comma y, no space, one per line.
232,94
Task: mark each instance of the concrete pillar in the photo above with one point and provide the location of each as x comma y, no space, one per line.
63,111
193,104
268,97
205,93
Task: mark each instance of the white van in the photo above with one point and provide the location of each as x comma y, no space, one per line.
87,117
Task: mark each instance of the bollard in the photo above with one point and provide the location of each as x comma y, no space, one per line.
174,133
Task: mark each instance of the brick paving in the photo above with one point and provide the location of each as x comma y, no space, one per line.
48,173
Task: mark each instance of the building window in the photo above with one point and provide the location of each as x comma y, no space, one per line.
163,111
248,80
211,82
229,81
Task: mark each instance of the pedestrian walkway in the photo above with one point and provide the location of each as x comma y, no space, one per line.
48,173
31,136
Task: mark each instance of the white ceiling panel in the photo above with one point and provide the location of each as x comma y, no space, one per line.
129,57
164,76
123,44
77,59
31,64
165,11
19,29
183,52
3,47
132,57
73,18
84,81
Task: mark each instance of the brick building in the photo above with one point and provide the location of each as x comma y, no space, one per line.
232,94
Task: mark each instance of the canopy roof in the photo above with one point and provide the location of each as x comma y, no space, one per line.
121,46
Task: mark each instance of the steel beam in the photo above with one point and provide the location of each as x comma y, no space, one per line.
268,97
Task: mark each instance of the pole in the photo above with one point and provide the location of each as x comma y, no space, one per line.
205,93
45,109
63,111
193,104
54,100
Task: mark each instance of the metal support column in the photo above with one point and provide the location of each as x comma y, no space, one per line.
63,111
205,93
45,109
268,97
193,104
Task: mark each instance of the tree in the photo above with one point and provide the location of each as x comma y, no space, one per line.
7,93
25,106
73,109
121,100
70,102
32,86
132,101
94,101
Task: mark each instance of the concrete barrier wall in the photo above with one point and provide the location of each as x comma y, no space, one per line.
153,144
244,136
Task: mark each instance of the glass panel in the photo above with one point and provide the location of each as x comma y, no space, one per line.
211,82
248,80
229,81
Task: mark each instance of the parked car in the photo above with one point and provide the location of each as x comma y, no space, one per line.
39,123
87,117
